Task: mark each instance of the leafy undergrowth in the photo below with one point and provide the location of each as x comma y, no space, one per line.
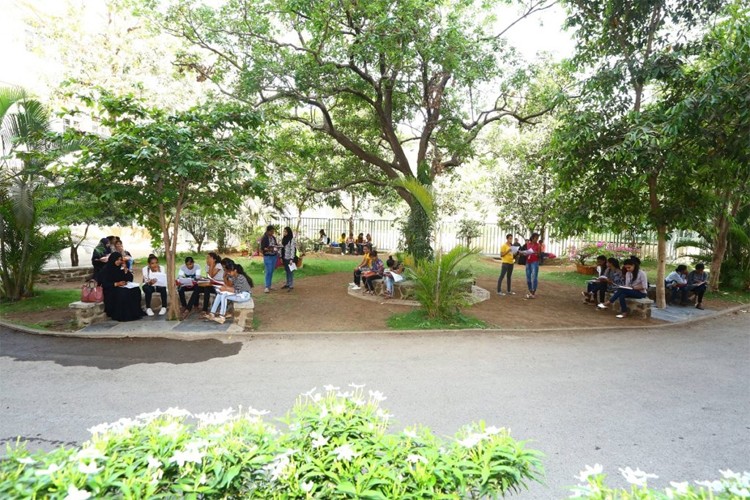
418,320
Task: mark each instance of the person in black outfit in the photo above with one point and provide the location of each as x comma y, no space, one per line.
120,303
100,256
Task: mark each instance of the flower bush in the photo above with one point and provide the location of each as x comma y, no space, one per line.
591,250
334,445
732,485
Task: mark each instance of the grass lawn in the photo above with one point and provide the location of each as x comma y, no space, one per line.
44,300
417,320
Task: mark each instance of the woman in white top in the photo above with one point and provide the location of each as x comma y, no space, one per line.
288,252
153,273
636,287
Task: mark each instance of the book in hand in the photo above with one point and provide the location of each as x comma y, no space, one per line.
217,282
130,284
161,278
185,281
514,249
395,276
625,287
602,278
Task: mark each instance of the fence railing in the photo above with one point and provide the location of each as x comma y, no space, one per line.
386,235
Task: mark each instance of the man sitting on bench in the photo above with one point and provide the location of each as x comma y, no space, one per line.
697,281
677,282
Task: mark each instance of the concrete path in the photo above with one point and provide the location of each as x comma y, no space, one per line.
678,314
672,401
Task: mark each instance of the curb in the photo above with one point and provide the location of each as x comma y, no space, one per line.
249,335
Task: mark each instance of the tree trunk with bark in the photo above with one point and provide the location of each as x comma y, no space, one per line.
661,291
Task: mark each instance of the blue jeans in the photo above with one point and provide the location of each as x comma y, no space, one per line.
222,299
269,261
622,293
532,272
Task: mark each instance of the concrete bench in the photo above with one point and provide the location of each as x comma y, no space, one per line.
88,312
640,308
242,316
403,290
332,250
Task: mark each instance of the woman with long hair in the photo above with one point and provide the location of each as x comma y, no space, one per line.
636,286
288,252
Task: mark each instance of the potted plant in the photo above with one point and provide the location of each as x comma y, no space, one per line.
579,254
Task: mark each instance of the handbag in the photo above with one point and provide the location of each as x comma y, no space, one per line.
92,292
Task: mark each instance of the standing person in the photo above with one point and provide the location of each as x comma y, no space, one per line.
375,273
214,271
288,251
150,280
121,303
506,267
636,286
100,256
697,283
534,251
188,271
350,244
677,282
238,291
363,266
270,249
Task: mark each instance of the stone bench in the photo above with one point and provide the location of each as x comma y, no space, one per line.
640,308
403,290
88,312
242,316
332,250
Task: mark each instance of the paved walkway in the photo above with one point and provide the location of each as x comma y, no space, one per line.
677,314
158,326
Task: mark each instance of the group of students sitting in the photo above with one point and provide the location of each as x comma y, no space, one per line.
122,298
631,282
372,269
348,244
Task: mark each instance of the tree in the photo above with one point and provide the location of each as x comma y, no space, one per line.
158,165
404,87
614,154
28,149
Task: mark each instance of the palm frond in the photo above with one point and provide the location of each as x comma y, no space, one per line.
8,97
421,193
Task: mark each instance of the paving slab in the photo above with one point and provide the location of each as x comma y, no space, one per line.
676,314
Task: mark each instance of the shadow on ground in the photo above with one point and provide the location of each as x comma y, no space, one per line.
111,354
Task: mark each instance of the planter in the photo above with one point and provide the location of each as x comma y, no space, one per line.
245,253
584,269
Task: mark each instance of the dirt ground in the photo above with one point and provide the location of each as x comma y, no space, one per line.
321,303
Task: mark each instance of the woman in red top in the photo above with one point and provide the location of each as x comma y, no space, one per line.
534,250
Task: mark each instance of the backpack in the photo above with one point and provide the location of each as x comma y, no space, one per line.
521,259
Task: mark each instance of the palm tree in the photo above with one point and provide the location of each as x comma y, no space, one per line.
27,147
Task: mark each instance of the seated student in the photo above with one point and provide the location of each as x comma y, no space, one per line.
363,266
120,302
368,241
238,291
636,286
375,273
214,271
323,241
150,286
697,282
341,243
392,275
127,259
189,271
598,285
676,281
350,244
360,243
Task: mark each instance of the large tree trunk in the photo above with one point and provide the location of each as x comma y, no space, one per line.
720,245
170,250
74,247
661,270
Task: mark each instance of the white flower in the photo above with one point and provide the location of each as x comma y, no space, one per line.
410,433
172,429
26,460
636,477
728,474
742,493
716,486
377,396
177,412
217,418
89,453
383,414
323,411
471,440
203,479
359,402
339,409
584,491
257,413
310,392
76,494
319,440
416,459
589,471
307,487
680,488
91,468
99,429
317,397
356,386
345,452
330,388
492,430
276,468
153,463
189,455
49,470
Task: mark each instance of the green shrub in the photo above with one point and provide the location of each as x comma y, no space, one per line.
441,286
334,445
733,485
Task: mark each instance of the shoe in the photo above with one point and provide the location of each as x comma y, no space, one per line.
356,287
511,293
501,294
289,289
205,315
149,312
185,314
285,286
530,296
601,305
210,317
623,315
699,306
267,290
219,319
162,311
